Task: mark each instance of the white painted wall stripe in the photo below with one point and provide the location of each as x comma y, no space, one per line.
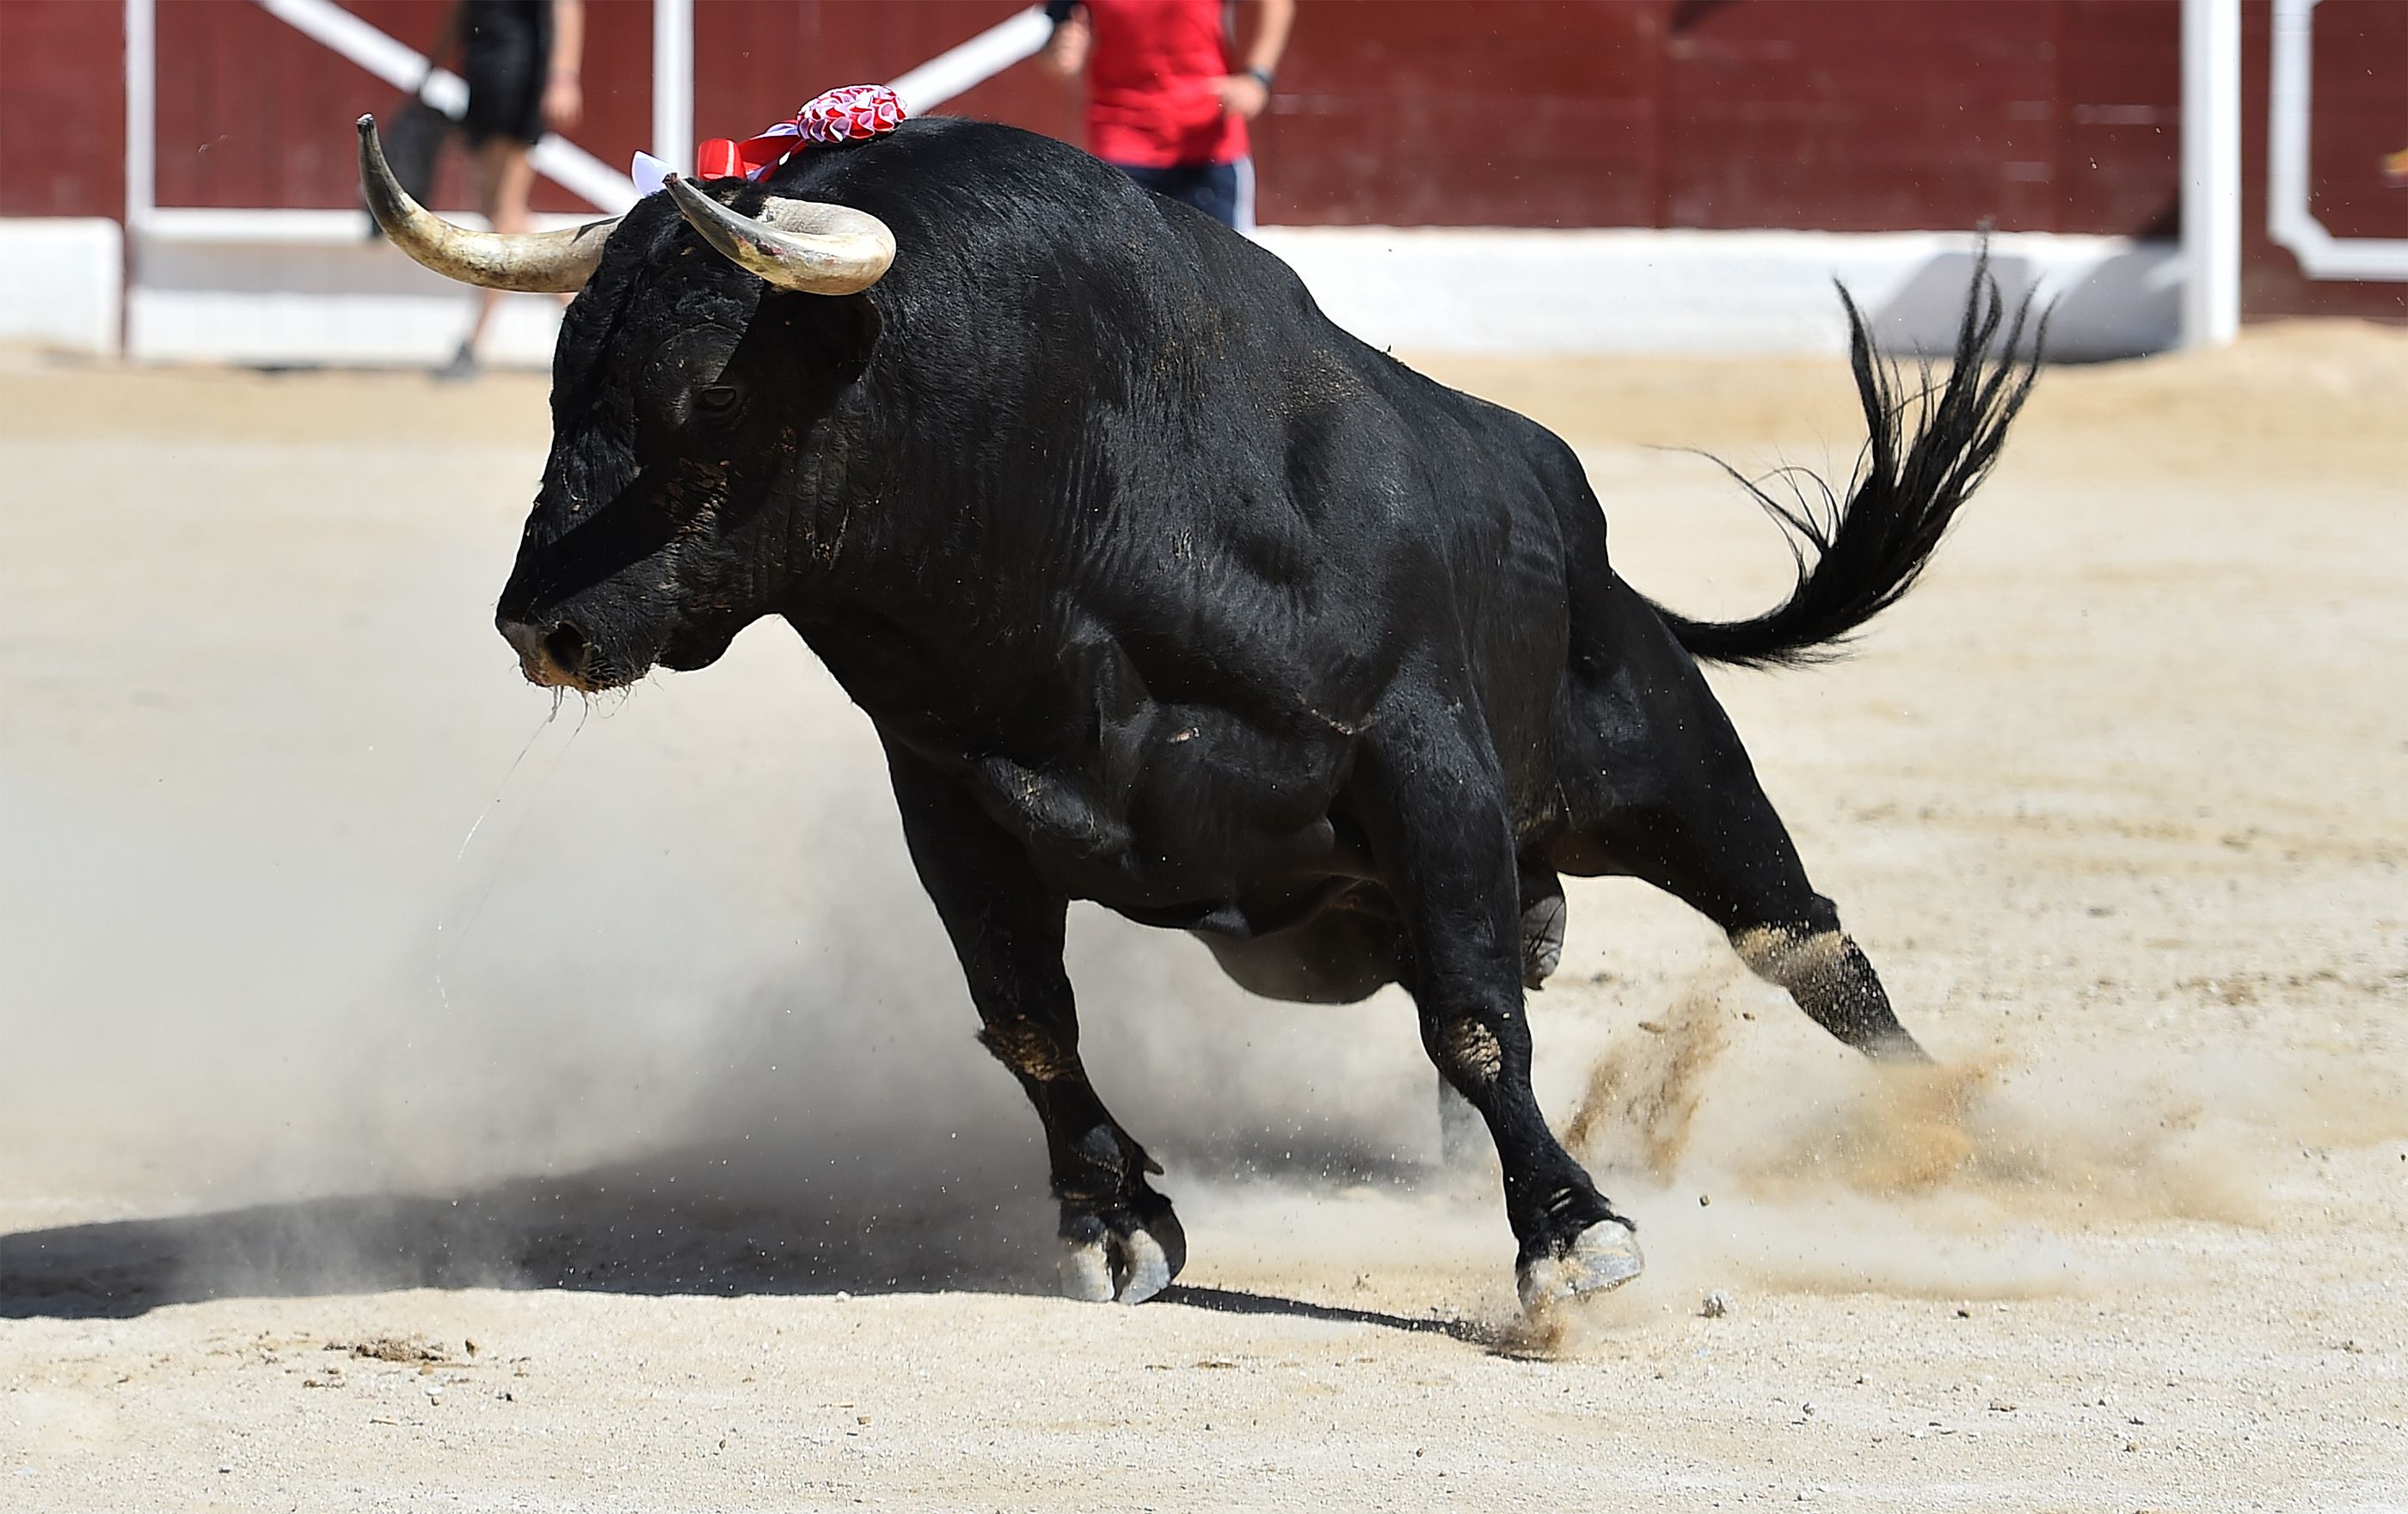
404,67
959,69
212,298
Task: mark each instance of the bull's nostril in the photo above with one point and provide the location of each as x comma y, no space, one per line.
566,646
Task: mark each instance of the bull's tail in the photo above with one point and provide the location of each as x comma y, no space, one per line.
1857,560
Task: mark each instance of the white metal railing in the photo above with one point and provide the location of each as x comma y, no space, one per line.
2211,171
326,22
2290,219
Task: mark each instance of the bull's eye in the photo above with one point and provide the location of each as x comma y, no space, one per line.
715,402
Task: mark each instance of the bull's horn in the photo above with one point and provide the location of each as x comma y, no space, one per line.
797,244
536,263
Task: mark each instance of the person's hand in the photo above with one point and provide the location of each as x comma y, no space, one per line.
563,102
1243,95
1066,52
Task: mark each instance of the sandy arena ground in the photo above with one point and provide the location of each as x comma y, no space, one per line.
410,1098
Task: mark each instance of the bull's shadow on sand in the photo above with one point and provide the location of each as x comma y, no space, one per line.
730,1218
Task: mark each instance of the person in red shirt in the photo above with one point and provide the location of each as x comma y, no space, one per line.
1165,104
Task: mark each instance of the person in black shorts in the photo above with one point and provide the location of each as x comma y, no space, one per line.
520,57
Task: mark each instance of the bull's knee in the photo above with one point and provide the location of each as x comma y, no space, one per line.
1831,979
1803,959
1033,1051
1469,1051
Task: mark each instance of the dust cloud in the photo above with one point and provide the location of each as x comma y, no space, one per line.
331,955
1971,1180
664,1009
654,1002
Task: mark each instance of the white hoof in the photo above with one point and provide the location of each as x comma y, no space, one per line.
1148,1270
1601,1258
1085,1272
1120,1268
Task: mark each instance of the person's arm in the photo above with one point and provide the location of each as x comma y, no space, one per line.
1066,50
1246,93
563,91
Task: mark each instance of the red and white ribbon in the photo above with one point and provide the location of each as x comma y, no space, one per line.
841,115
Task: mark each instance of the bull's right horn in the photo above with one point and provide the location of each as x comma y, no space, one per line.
534,263
796,244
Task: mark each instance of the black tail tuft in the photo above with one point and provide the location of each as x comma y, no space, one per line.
1866,554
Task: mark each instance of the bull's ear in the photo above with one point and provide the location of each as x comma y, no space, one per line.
842,332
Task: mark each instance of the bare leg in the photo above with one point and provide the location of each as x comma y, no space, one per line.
505,178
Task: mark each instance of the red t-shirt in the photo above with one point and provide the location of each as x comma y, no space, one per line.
1151,72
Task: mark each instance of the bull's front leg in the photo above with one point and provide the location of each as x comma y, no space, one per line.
1435,812
1120,1238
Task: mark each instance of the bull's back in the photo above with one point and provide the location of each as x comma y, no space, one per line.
1446,531
1219,470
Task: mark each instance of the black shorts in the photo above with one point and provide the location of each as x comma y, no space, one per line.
1210,187
506,57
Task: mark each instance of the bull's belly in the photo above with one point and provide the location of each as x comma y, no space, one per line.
1245,887
1196,851
1265,910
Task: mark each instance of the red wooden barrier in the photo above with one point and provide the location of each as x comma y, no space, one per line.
1845,115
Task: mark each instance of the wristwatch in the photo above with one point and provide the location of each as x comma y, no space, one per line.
1261,77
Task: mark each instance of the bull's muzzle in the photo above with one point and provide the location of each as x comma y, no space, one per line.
553,654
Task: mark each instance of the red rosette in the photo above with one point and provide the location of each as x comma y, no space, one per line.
846,115
851,113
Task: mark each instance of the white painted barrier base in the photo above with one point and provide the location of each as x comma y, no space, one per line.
302,288
1723,292
60,283
316,291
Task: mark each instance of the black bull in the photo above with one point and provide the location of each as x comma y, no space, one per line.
1164,592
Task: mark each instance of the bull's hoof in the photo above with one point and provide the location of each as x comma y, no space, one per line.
1123,1254
1602,1256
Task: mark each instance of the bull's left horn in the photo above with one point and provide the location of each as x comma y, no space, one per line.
796,244
535,262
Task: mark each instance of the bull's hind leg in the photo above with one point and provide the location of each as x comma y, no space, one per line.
1679,806
1120,1238
1543,912
1434,811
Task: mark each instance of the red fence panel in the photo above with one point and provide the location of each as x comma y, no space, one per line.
1433,112
62,108
756,63
1839,114
251,112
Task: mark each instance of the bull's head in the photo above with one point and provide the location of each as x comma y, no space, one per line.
691,405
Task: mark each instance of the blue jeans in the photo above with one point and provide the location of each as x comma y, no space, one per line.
1210,187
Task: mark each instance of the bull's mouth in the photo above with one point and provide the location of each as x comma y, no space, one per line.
592,678
562,655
